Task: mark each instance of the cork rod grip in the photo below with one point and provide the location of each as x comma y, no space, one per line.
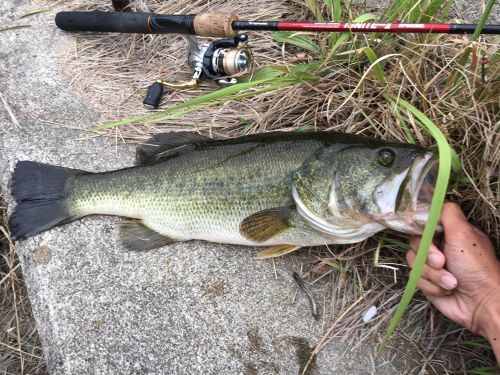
214,24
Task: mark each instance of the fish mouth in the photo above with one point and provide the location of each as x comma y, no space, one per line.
415,195
404,200
423,182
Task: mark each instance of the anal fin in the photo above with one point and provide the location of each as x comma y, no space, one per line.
277,251
136,236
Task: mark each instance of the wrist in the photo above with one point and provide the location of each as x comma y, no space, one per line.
486,319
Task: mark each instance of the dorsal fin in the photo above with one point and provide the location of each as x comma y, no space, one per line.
163,145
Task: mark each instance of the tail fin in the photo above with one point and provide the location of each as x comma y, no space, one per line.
41,195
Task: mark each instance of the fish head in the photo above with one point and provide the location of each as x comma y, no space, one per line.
355,191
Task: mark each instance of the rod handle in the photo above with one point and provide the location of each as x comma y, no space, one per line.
205,24
215,24
114,22
125,22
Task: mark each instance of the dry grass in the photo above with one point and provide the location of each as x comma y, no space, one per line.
20,349
111,72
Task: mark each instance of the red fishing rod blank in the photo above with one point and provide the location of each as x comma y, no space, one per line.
423,28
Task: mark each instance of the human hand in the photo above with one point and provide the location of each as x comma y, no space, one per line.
462,280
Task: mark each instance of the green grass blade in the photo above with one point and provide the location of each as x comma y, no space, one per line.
199,100
443,14
431,10
337,41
415,11
304,128
267,76
456,165
395,11
334,9
303,68
295,75
478,343
299,40
392,241
365,17
397,112
337,266
377,68
267,72
315,9
445,161
493,370
337,15
214,103
482,20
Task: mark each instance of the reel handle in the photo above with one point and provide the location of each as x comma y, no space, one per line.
205,24
155,91
153,96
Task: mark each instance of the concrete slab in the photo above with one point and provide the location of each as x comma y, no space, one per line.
189,308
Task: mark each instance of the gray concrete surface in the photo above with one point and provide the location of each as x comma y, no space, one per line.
191,308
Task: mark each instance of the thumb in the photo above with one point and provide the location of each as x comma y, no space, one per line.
455,224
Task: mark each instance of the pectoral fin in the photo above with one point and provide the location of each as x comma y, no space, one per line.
266,224
137,237
277,251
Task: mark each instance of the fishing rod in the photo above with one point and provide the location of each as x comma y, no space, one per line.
222,60
228,24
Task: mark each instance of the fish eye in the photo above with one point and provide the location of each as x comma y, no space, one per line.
386,157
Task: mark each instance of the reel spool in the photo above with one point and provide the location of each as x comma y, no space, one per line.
219,61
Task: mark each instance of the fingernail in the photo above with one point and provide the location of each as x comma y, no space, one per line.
448,282
434,259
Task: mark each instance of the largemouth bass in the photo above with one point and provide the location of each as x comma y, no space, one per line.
282,190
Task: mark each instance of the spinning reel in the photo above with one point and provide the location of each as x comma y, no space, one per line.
220,61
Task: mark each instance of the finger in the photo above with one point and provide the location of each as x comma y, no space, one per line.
432,290
435,258
454,221
440,277
415,242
